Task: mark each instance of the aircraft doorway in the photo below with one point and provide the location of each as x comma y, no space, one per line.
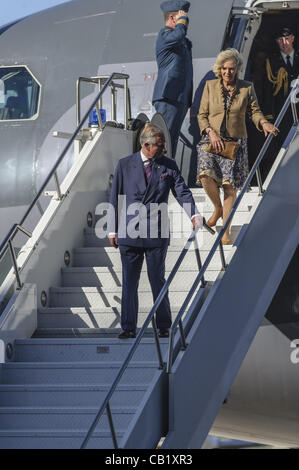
264,45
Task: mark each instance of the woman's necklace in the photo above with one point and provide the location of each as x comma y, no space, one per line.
228,96
229,88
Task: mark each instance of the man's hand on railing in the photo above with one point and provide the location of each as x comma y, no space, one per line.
113,240
197,221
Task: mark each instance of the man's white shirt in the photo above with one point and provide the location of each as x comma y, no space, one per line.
291,56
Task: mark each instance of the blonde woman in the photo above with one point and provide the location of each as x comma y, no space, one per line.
221,118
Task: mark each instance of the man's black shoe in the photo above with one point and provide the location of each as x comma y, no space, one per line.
127,334
164,333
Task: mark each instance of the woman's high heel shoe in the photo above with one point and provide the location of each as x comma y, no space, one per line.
227,241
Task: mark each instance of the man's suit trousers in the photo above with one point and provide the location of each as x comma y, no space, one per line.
132,259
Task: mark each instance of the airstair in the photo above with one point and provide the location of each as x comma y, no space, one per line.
66,380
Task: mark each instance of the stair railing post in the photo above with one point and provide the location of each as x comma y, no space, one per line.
161,364
294,110
259,181
222,256
59,194
126,104
199,264
170,351
112,429
183,337
15,265
113,102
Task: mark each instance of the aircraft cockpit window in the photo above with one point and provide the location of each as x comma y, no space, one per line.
19,94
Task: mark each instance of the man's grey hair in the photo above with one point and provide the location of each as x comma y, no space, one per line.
149,134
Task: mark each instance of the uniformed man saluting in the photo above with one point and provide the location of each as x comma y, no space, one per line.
174,86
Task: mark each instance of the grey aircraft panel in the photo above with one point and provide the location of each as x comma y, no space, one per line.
206,30
262,405
57,56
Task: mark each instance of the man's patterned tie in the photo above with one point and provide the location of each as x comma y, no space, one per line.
148,170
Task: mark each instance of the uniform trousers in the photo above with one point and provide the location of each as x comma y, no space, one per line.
132,259
174,114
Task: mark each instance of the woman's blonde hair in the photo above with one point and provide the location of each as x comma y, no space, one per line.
225,56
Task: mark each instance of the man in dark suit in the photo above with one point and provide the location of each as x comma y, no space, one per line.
174,86
141,185
281,69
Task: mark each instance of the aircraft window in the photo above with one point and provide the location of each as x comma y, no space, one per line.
19,94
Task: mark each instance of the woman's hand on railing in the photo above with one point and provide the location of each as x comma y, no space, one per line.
269,128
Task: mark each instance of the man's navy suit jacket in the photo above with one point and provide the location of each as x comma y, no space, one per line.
129,181
175,69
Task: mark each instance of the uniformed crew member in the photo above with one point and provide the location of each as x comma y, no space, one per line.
174,86
281,69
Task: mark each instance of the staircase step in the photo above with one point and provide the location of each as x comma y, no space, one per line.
79,349
87,318
109,257
62,418
178,238
83,332
98,297
204,204
91,239
180,228
69,395
200,192
76,372
107,278
44,439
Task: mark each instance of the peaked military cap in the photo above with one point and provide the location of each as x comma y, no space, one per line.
284,31
175,5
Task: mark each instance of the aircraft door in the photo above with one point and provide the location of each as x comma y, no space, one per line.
208,23
242,26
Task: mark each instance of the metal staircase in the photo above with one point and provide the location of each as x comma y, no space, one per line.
50,393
